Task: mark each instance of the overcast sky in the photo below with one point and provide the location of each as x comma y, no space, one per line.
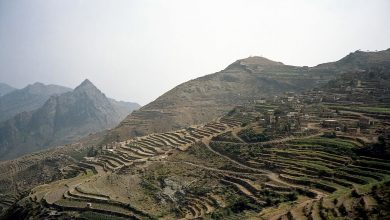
135,50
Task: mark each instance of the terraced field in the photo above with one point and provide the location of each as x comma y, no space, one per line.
19,175
106,183
319,168
212,171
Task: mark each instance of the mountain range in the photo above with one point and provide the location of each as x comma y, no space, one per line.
63,118
39,116
27,99
202,99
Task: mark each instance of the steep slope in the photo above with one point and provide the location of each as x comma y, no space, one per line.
5,88
62,119
27,99
207,97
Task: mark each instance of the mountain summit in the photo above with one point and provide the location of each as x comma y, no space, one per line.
85,86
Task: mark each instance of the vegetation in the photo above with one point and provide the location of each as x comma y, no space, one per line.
363,109
236,204
331,145
251,136
378,150
226,137
80,154
149,184
99,216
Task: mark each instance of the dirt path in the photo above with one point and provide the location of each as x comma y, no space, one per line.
234,133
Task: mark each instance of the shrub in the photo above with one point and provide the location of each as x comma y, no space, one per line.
292,196
329,135
240,203
92,152
354,193
249,135
217,215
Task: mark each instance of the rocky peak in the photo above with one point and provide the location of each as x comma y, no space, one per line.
86,85
88,88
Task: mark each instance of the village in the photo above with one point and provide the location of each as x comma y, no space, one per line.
353,109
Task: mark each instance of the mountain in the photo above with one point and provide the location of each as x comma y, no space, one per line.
125,106
5,88
210,96
62,119
27,99
360,60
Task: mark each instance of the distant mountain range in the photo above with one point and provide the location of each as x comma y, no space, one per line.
5,88
27,99
62,118
202,99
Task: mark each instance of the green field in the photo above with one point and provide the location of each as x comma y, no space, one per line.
364,109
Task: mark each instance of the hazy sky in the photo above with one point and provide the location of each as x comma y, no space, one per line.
135,50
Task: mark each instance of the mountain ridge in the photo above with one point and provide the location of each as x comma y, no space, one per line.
28,98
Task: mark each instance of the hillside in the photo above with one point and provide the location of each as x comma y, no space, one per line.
207,97
27,99
360,60
62,119
5,88
239,166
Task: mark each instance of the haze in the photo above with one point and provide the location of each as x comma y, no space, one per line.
137,50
